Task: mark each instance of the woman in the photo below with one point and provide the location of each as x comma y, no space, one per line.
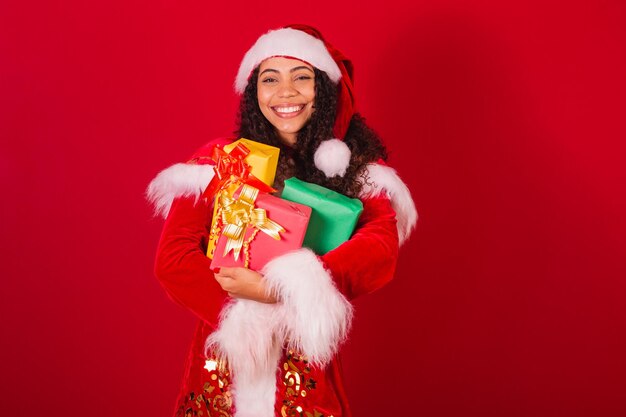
267,342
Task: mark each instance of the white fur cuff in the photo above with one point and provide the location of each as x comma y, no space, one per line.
312,318
316,317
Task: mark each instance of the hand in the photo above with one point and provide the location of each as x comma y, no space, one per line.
243,283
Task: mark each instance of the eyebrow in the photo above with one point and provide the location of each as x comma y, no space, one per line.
294,69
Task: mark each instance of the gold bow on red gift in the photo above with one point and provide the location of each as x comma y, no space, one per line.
237,214
231,168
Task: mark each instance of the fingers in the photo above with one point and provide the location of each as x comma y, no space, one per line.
226,283
243,283
227,271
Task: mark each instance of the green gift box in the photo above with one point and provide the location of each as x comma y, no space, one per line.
333,216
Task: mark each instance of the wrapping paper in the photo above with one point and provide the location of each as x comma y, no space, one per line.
262,160
333,217
293,217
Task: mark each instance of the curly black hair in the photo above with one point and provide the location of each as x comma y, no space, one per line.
362,141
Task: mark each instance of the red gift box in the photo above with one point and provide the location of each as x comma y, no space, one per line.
292,217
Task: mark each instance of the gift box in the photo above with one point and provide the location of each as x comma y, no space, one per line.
258,246
215,230
261,161
262,158
333,217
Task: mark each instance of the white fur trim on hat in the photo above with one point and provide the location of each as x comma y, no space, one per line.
289,43
332,157
381,179
179,180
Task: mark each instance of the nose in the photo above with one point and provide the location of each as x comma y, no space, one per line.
287,89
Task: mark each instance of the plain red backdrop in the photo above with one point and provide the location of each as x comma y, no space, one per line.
507,121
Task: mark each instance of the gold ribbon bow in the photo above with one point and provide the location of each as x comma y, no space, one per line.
238,214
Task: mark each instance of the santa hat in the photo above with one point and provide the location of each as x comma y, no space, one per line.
307,44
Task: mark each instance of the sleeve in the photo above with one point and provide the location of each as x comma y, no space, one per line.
314,290
181,265
367,261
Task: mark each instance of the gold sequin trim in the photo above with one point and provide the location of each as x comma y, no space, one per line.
215,398
298,383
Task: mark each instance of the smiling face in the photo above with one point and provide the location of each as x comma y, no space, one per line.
286,94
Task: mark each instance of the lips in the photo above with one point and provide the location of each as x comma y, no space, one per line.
288,110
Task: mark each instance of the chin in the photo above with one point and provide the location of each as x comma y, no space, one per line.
289,129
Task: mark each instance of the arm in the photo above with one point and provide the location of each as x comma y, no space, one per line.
361,265
314,314
181,264
367,261
314,290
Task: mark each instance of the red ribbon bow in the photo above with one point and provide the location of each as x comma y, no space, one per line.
230,168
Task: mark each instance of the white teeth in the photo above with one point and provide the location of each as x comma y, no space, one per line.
288,109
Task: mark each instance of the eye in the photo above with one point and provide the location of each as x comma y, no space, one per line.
303,77
268,80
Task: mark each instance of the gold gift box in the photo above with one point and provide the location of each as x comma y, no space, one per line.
263,160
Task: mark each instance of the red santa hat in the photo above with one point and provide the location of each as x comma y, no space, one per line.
307,44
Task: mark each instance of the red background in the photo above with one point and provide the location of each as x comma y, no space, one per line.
506,121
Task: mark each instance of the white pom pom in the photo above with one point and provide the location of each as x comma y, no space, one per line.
332,157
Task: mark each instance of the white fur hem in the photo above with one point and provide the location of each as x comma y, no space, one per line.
179,180
312,318
246,340
381,179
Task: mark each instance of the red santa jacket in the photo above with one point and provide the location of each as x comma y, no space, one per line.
260,360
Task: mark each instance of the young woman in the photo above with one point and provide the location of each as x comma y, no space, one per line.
267,341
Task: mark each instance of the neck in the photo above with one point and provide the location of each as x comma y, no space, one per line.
288,139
